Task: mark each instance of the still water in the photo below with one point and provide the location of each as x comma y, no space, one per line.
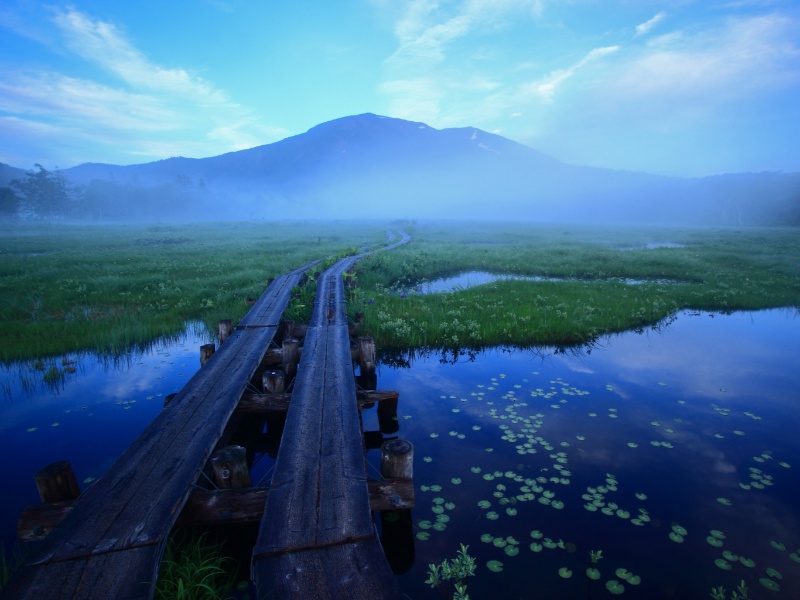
664,450
675,452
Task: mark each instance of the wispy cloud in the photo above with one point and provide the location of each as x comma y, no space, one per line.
546,87
151,107
645,27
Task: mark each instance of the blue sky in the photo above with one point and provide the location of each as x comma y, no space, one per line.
676,87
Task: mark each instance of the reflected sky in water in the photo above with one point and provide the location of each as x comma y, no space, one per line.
688,388
709,403
89,417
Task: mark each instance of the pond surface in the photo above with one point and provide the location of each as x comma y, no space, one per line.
676,453
89,416
471,279
687,438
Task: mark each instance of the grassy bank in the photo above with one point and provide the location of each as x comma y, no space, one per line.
108,288
671,269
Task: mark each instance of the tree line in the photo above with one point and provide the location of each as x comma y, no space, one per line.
48,195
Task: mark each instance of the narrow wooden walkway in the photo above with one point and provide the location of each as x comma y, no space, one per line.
317,539
110,544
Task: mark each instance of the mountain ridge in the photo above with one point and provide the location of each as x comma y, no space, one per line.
377,166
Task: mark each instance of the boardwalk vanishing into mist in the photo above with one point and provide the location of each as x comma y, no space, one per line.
316,538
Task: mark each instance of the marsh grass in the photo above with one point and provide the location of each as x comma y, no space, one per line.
109,288
195,569
708,269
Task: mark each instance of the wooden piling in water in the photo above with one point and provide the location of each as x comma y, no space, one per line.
206,352
224,329
366,355
230,468
274,382
291,356
57,482
397,459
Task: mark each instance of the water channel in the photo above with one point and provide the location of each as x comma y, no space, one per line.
675,452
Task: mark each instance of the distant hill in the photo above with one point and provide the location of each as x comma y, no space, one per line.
373,166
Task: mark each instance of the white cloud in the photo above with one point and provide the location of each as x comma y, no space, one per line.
546,87
413,99
150,110
645,27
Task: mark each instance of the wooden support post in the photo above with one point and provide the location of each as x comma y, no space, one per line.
274,382
397,459
57,482
366,355
387,416
287,329
224,330
206,352
359,317
230,468
291,356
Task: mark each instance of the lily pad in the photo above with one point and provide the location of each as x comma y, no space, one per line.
593,574
771,585
676,537
615,587
564,572
495,566
487,538
774,573
724,501
777,545
723,564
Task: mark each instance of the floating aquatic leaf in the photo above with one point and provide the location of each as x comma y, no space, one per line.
434,435
427,459
675,537
725,501
436,488
495,566
795,557
56,424
484,503
89,480
723,564
31,429
455,480
771,585
593,574
439,526
641,496
717,543
536,547
536,534
511,550
557,504
615,587
423,535
747,562
492,516
564,572
499,542
777,545
717,534
774,573
425,524
785,465
487,538
728,555
679,530
511,512
438,500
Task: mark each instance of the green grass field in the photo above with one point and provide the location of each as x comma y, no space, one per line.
709,269
110,288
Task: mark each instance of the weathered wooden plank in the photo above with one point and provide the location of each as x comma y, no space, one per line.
279,403
352,571
215,507
127,575
120,525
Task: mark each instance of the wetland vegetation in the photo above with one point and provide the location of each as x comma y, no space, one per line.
586,287
108,289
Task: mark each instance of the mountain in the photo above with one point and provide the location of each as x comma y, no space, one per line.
373,166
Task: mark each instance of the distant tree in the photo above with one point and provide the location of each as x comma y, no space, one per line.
46,194
9,204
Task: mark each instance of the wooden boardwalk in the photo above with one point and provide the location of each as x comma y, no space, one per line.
110,543
317,538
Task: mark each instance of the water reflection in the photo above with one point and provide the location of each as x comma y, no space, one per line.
89,416
695,425
470,279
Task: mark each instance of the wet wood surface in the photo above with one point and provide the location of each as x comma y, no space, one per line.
113,538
